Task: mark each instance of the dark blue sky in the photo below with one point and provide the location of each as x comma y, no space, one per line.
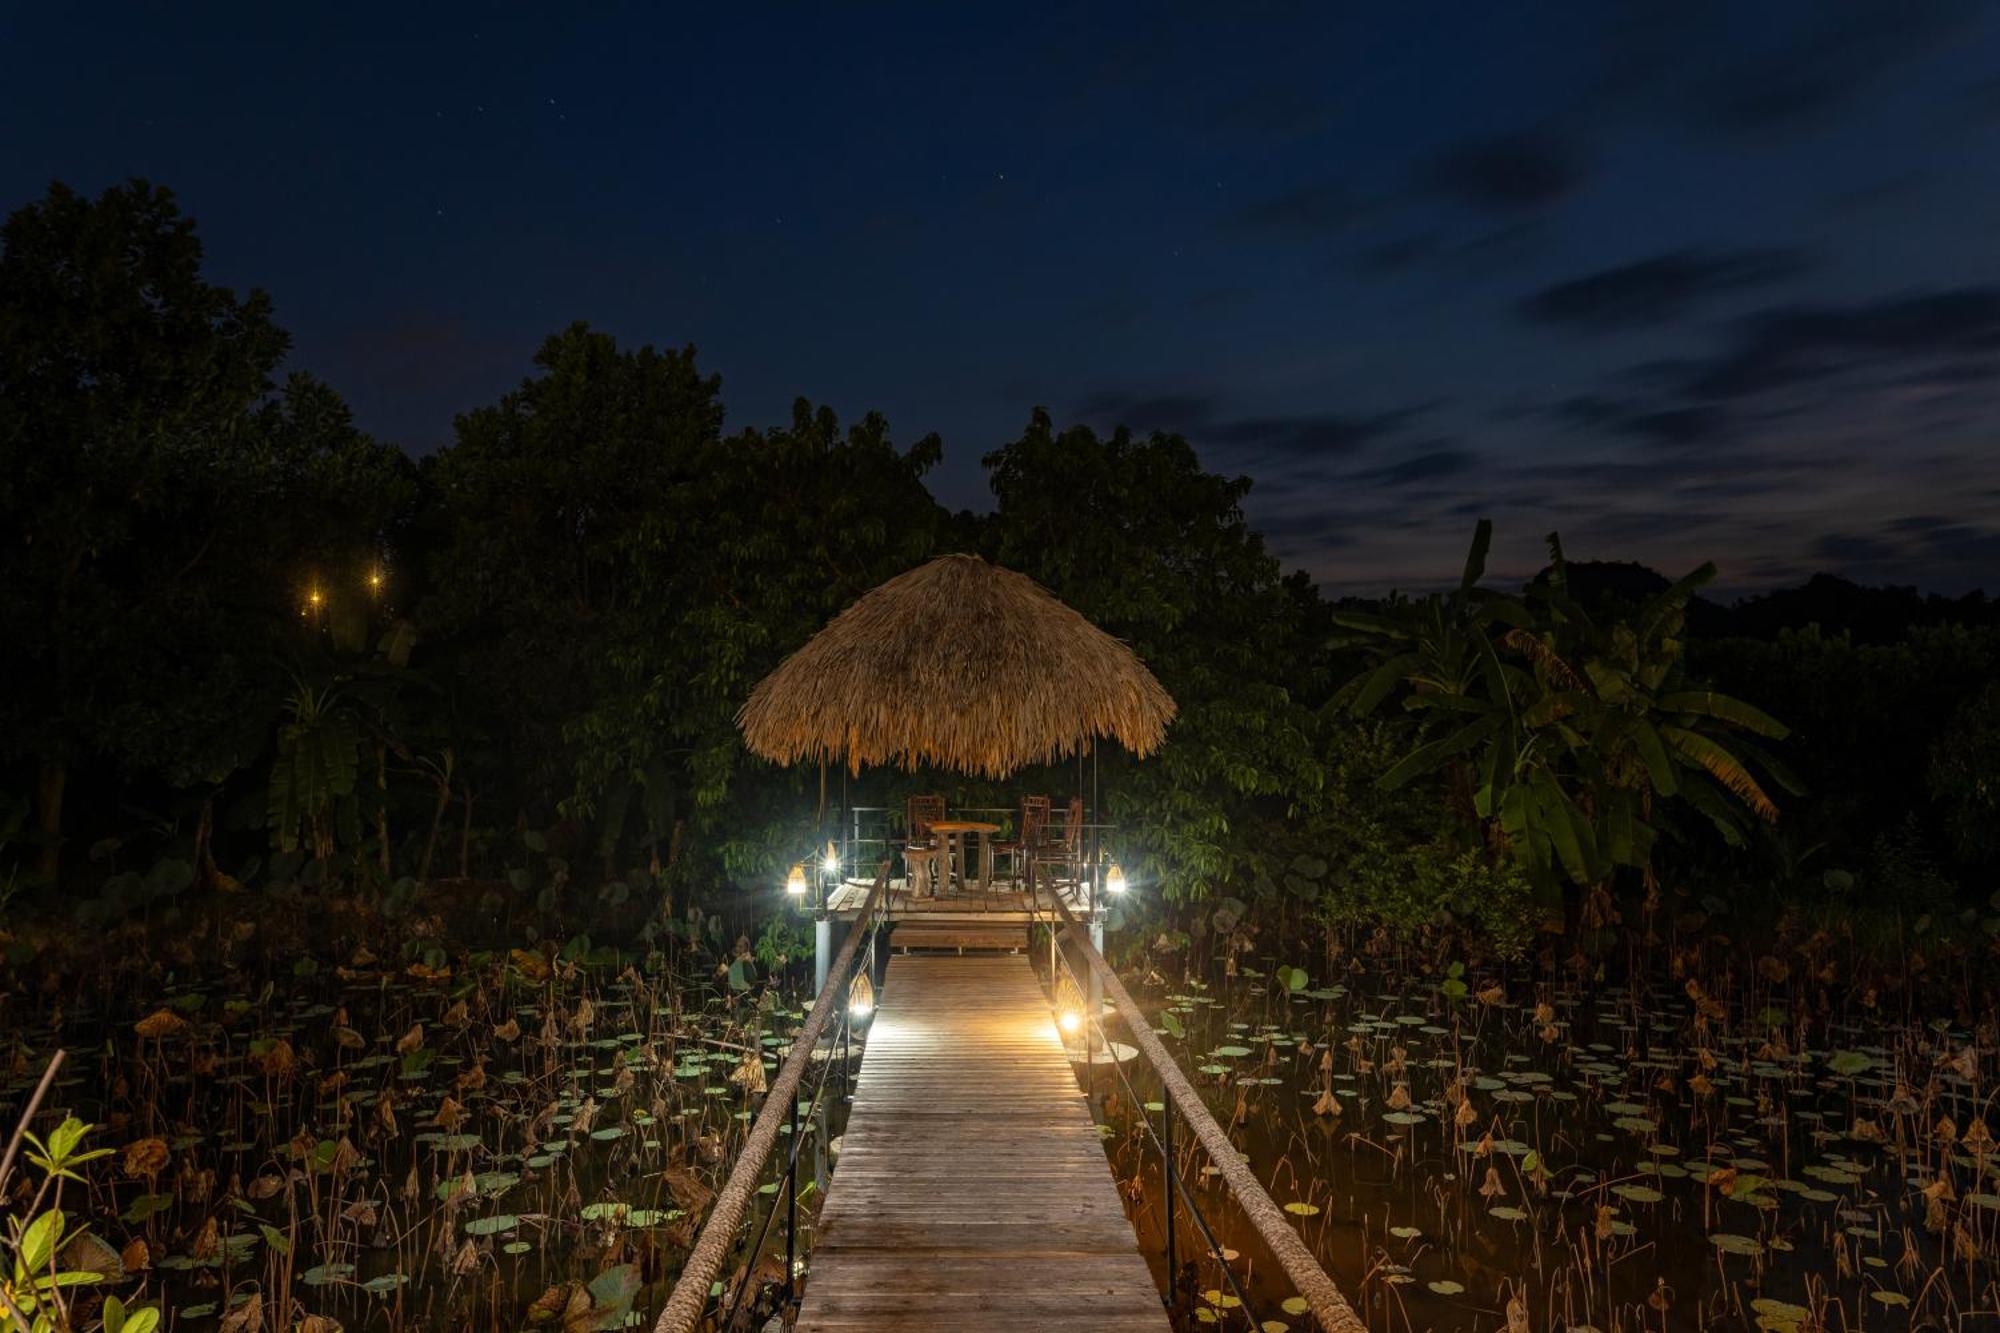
1684,280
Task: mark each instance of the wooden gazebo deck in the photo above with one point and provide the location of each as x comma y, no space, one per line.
972,1190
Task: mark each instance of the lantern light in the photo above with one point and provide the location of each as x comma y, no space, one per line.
861,996
795,883
1069,1020
832,861
1114,882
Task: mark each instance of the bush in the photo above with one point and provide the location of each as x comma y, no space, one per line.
1435,887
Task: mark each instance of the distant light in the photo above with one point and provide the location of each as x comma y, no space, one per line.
832,862
1115,881
1069,1020
375,580
795,883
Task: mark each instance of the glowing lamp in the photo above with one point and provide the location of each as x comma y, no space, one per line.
832,861
1114,882
795,883
861,997
1069,1020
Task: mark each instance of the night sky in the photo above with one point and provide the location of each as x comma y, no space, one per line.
1684,280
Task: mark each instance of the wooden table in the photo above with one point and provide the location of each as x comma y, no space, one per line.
952,834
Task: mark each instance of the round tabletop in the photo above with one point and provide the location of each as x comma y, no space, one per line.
963,826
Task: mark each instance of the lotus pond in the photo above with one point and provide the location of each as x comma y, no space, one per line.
514,1138
507,1140
1467,1155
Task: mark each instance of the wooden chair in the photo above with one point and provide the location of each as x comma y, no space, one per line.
1028,836
1059,860
921,851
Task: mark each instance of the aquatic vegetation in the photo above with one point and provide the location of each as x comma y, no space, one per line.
1666,1153
449,1138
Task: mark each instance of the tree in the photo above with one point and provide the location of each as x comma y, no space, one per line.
1138,537
1965,777
617,574
164,502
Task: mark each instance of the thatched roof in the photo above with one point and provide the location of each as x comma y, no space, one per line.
961,664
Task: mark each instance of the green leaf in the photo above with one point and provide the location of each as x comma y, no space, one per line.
38,1243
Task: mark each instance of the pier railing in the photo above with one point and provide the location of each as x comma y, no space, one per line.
690,1305
1178,1096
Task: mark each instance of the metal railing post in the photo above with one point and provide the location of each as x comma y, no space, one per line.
1167,1156
792,1210
1328,1306
689,1300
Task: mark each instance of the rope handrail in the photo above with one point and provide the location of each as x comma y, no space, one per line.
718,1234
1328,1306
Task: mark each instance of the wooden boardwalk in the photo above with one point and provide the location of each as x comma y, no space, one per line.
971,1190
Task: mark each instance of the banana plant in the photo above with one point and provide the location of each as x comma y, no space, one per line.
313,775
1563,740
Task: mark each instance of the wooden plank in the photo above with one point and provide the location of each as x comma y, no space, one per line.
971,1190
910,935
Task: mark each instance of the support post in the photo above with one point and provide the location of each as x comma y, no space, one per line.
1096,986
822,952
792,1210
1170,1168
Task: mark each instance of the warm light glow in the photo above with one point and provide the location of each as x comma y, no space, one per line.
860,997
314,598
1069,1020
795,883
375,580
832,861
1115,881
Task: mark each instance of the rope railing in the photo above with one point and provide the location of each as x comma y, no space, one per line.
1311,1281
690,1297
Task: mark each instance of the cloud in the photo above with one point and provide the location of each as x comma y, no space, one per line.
1180,413
1791,344
1658,289
1307,211
1311,434
1279,438
1430,465
1508,172
1642,419
1839,55
1705,67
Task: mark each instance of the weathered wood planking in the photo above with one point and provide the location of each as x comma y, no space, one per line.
956,937
971,1190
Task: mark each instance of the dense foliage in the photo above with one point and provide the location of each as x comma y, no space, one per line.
253,649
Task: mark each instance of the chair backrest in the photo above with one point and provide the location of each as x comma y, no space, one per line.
1034,819
922,812
1072,830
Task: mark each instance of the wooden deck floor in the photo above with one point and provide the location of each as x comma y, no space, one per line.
972,1191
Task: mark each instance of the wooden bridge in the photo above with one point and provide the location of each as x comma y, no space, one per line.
972,1190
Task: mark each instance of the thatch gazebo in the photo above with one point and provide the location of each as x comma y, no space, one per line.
958,664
